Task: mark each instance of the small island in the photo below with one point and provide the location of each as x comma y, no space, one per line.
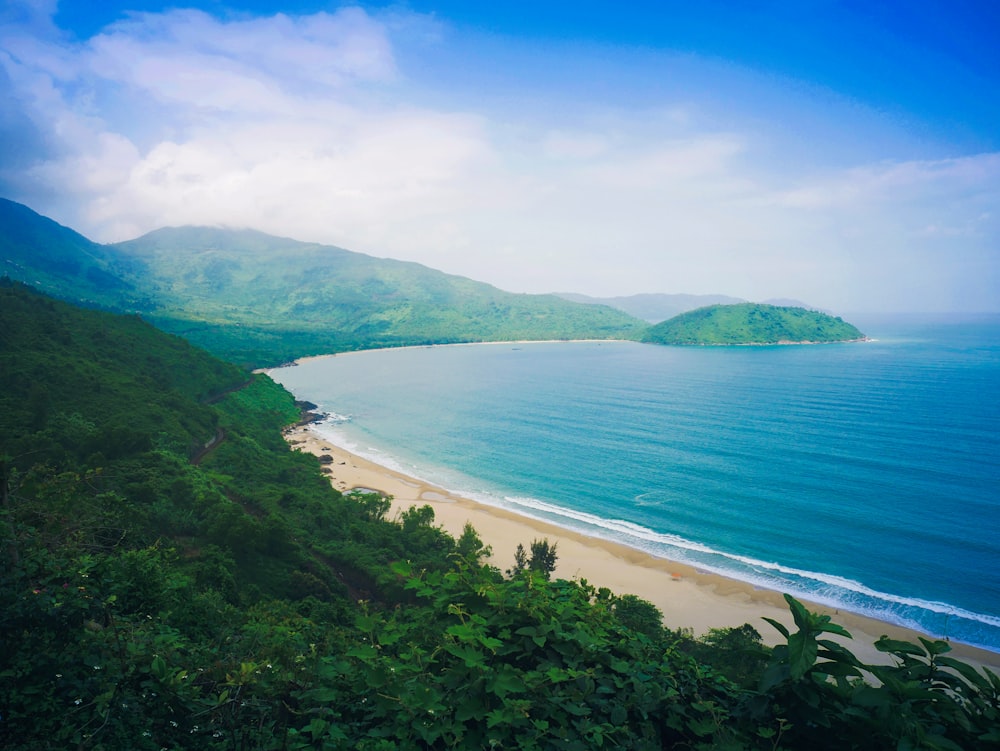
751,323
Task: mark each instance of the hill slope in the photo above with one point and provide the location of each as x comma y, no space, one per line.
63,263
258,299
751,323
322,298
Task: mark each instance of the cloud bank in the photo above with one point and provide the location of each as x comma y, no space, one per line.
329,127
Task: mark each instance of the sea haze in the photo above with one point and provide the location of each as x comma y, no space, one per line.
864,476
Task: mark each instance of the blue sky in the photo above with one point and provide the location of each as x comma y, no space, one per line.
843,153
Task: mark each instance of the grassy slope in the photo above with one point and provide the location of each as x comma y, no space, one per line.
751,323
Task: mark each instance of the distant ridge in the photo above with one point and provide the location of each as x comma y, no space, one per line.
751,323
654,307
59,261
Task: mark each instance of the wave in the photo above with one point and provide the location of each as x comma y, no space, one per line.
939,619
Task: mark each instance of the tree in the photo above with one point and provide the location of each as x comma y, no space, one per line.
543,557
520,561
639,615
470,545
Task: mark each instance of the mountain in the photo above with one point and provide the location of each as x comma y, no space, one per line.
654,307
233,289
751,323
256,299
63,263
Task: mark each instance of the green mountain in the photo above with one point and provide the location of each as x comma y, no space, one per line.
257,299
63,263
751,323
302,298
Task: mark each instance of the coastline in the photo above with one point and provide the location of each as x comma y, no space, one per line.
688,598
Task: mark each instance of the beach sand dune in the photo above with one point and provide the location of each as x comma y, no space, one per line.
688,598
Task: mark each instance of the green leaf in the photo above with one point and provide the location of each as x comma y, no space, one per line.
471,708
895,646
802,616
506,681
968,672
802,651
935,648
158,668
779,626
837,669
471,656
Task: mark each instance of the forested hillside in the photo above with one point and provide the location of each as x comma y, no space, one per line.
173,575
751,323
256,299
61,262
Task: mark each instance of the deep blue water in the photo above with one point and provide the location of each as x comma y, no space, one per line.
865,476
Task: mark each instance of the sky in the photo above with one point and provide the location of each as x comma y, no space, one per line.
842,153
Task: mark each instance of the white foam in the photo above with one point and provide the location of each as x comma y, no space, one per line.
836,591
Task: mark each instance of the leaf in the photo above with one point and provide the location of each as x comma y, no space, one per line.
779,626
471,708
158,668
968,672
506,681
497,717
472,657
895,646
802,651
833,628
837,669
490,643
802,616
935,648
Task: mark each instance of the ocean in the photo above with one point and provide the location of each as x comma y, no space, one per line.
865,476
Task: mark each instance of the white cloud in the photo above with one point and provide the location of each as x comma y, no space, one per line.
306,127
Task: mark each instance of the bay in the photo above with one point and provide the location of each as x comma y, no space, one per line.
865,476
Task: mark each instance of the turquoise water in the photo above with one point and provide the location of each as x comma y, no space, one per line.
864,476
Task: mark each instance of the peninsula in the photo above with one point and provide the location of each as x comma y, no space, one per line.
751,323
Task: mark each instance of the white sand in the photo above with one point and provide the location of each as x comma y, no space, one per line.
688,598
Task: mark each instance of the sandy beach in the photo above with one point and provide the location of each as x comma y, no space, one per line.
688,598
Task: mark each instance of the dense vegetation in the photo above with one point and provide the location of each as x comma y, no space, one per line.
173,575
255,299
751,323
59,261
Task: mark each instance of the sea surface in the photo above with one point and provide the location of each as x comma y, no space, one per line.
864,476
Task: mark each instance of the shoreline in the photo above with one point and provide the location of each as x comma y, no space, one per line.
688,598
310,358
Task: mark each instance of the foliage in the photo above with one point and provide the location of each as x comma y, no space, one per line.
479,661
542,558
823,697
750,323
